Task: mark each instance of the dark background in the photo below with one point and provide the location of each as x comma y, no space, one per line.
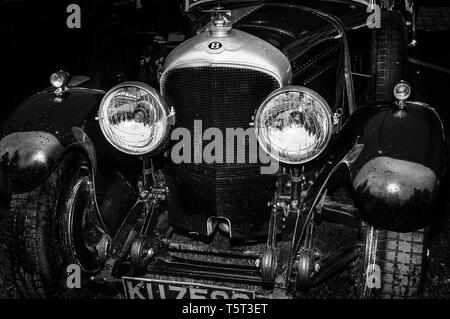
35,42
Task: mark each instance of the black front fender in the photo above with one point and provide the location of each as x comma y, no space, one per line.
399,167
26,159
393,160
46,127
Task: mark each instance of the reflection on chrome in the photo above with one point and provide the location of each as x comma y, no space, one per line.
135,121
294,125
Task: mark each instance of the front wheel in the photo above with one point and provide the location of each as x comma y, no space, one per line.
50,228
393,264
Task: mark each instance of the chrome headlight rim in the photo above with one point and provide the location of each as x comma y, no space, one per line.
301,89
168,116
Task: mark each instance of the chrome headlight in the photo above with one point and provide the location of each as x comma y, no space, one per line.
294,125
134,118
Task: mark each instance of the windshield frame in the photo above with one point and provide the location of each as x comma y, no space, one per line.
188,5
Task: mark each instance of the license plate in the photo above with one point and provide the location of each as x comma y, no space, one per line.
143,288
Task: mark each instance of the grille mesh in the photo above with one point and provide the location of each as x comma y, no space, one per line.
221,97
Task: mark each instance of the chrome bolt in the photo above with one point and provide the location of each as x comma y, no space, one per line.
317,267
144,195
150,253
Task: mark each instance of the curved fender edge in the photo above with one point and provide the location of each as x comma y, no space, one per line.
28,158
397,175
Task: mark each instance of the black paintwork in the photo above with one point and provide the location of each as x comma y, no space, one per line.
302,31
43,113
398,173
26,159
393,160
40,133
307,40
293,26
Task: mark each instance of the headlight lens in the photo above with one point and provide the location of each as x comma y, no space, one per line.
402,91
294,125
134,118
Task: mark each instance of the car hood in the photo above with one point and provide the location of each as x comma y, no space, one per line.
290,25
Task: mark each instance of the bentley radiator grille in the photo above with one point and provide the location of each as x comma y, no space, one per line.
221,97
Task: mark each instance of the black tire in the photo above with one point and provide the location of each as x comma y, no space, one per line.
390,55
400,258
38,259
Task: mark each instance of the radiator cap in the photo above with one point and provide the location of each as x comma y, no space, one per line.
221,26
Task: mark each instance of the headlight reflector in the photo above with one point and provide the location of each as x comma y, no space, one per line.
134,118
294,125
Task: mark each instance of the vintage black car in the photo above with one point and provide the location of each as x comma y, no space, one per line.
270,120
